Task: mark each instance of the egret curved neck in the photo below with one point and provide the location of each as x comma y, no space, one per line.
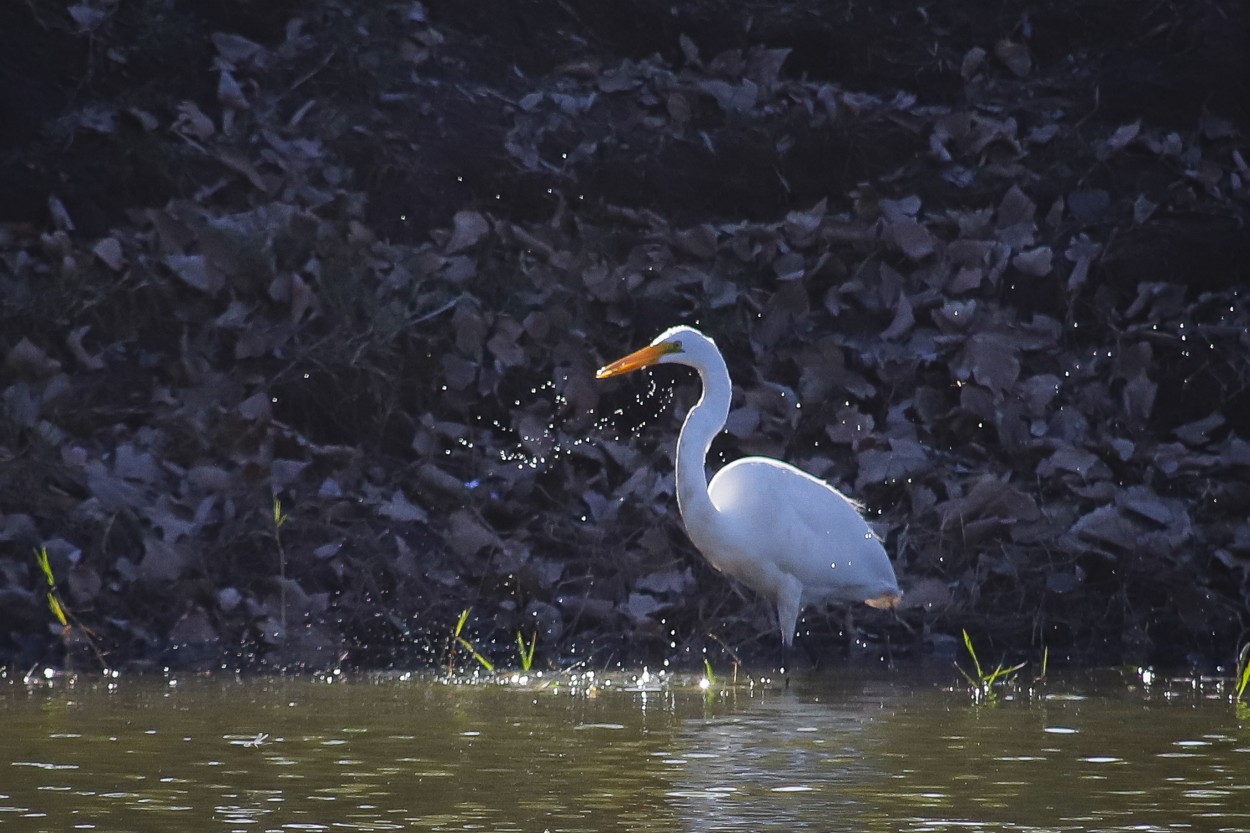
703,423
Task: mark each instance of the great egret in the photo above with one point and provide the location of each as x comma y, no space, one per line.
787,535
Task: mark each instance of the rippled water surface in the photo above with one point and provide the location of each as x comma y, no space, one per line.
833,752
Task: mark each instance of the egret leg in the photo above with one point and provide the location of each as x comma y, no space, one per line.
789,601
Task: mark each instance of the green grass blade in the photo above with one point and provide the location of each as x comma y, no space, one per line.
55,607
54,604
41,555
973,653
1243,662
1003,672
481,660
526,652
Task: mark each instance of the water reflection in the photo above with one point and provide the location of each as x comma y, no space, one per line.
829,753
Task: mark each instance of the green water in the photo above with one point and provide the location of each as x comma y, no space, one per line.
834,752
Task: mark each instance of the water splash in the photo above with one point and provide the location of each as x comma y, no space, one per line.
542,445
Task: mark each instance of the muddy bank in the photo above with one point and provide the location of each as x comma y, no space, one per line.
300,308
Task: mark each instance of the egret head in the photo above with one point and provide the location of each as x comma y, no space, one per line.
676,345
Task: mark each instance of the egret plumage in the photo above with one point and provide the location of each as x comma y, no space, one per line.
787,535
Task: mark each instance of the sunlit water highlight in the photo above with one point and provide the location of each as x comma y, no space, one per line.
833,752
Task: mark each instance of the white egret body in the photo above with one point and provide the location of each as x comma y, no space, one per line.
787,535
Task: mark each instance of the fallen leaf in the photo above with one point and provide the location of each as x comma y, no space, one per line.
131,464
904,319
87,17
109,251
1015,208
163,562
1198,433
904,459
467,536
927,594
1015,56
193,628
1036,263
399,508
194,271
1105,525
29,361
732,98
1123,135
230,93
1072,460
991,360
1138,397
743,422
468,229
192,122
640,606
972,62
1065,581
74,342
912,238
235,49
667,581
257,407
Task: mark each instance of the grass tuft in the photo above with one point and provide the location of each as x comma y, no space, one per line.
1243,672
69,630
458,639
54,603
279,519
526,652
982,682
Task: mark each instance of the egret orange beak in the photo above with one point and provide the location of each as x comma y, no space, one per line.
637,360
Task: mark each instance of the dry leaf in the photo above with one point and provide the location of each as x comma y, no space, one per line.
468,229
1071,460
912,238
1015,208
399,508
904,459
88,18
732,98
991,360
1015,56
109,251
163,562
230,93
194,271
192,122
235,49
60,216
1036,263
1123,135
27,360
903,321
1105,525
74,342
467,536
972,62
257,407
1198,433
